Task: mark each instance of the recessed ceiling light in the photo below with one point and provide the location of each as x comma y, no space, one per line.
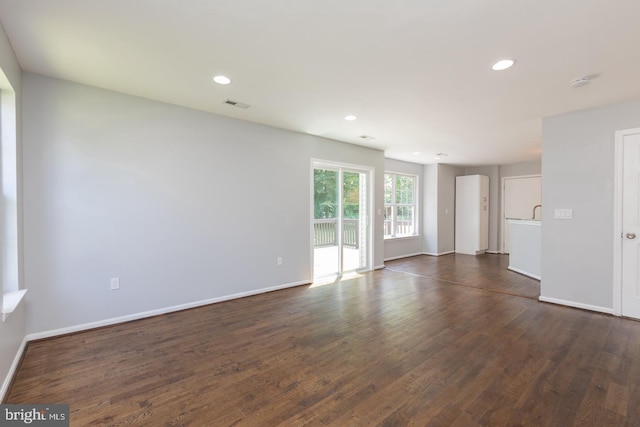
503,64
350,117
415,153
222,80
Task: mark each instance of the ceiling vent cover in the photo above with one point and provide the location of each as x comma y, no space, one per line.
236,104
582,81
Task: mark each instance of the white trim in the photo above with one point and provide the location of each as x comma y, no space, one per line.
151,313
524,273
396,238
438,254
617,223
10,301
617,216
330,164
113,321
525,221
403,256
349,167
492,252
379,267
415,205
13,369
589,307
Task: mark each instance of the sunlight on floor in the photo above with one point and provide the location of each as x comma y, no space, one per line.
326,260
330,280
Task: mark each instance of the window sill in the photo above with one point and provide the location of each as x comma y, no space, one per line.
415,236
10,301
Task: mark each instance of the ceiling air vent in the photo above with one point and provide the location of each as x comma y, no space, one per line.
367,137
237,104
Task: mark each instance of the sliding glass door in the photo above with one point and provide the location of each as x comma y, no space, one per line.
340,226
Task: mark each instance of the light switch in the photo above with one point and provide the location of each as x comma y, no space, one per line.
563,213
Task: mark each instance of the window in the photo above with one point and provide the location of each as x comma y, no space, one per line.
11,294
400,205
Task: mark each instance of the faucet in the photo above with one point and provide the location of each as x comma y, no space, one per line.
534,211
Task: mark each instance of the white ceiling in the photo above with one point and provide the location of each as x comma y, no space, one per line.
416,73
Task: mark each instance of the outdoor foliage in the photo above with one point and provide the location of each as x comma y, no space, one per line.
325,194
399,200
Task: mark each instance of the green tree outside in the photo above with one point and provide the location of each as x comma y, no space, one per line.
325,194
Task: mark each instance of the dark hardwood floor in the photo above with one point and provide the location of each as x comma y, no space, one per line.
387,348
484,271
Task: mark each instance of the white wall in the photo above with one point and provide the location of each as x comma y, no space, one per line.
406,246
578,173
12,331
181,205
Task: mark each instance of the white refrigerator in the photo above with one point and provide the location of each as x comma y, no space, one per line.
472,214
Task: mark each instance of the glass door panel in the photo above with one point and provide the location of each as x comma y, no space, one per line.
326,210
354,221
340,221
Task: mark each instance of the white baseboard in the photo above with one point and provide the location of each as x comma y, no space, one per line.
12,369
107,322
403,256
438,254
606,310
379,267
492,252
151,313
524,273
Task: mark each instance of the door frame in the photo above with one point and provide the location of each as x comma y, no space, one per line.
617,216
350,167
503,220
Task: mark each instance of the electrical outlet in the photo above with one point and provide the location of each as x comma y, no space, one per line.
115,283
279,260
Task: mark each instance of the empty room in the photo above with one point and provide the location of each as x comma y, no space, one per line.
317,213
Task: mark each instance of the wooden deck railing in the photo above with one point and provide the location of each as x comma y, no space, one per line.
403,228
325,233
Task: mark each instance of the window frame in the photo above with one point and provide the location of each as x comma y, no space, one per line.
394,207
11,291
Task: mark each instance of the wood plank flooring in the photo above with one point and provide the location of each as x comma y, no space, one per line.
387,348
484,271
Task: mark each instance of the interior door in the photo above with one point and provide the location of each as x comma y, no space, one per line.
520,196
631,227
341,220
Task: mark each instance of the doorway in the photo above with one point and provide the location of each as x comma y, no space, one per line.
626,295
520,197
340,219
